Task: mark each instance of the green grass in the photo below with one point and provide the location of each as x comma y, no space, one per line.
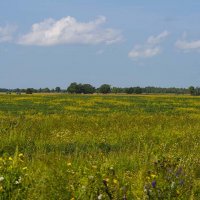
99,146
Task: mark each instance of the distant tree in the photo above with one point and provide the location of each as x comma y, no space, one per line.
130,90
73,88
29,90
46,90
197,91
87,89
80,88
57,89
138,90
191,90
117,90
4,90
105,89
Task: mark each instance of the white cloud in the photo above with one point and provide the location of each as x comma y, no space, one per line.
187,46
153,40
69,31
150,49
144,52
6,33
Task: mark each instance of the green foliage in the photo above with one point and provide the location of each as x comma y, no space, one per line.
80,88
194,91
57,89
29,91
87,89
134,90
104,89
73,88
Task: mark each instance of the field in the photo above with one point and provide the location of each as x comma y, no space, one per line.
87,147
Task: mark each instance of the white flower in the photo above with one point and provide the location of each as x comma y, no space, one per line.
173,185
18,181
100,196
1,178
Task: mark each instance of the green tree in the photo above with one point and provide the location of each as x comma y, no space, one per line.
73,88
29,90
105,89
191,90
57,89
46,90
87,89
138,90
117,90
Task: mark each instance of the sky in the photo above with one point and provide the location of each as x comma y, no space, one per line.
52,43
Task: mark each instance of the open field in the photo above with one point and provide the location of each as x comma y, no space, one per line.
99,147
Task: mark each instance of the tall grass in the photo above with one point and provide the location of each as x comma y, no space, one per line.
99,147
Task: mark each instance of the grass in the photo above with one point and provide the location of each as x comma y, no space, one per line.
99,147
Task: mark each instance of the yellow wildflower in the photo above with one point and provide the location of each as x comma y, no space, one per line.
115,181
10,158
153,175
21,155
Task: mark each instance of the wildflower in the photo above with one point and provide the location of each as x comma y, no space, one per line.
153,184
10,158
100,196
69,164
1,178
173,184
115,181
153,175
148,178
18,181
20,155
24,168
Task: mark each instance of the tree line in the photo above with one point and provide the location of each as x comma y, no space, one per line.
79,88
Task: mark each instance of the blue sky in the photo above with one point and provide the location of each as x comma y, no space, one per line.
52,43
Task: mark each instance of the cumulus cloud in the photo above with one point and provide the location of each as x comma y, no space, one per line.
187,45
6,33
70,31
144,52
154,40
151,47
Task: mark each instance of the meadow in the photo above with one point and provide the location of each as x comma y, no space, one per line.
88,147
